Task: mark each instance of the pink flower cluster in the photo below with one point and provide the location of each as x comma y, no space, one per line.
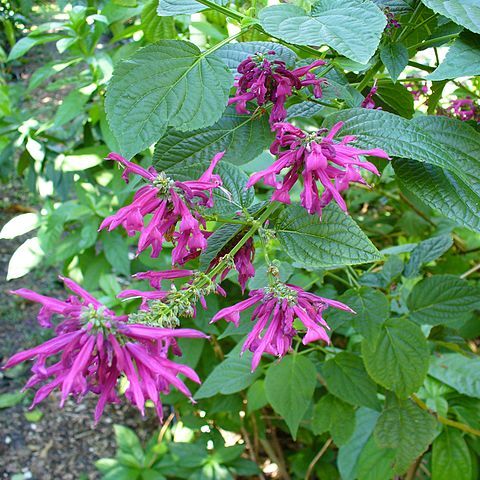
264,80
417,90
276,308
96,348
464,109
317,157
170,203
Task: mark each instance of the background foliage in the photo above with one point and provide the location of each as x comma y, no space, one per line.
397,393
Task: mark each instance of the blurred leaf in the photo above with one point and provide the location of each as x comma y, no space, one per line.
19,225
180,7
451,456
398,359
71,107
26,43
34,415
10,399
115,248
25,258
289,386
426,252
358,42
154,27
128,442
256,396
81,159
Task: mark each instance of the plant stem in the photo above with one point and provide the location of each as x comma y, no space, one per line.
369,76
225,41
434,41
317,457
421,66
446,421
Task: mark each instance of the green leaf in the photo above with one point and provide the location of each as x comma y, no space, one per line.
25,258
397,7
26,43
233,54
256,396
462,59
232,197
347,379
442,299
371,307
46,71
181,7
349,454
427,251
10,399
395,97
334,240
72,106
375,463
451,456
442,190
232,375
444,142
221,236
115,248
81,159
353,29
406,428
155,27
395,57
335,416
398,360
457,371
242,137
169,83
463,12
289,386
128,442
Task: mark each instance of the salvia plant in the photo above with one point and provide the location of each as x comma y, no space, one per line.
292,141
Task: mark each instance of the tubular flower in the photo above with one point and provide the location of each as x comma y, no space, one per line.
316,157
242,262
464,109
95,347
170,203
265,80
368,101
276,308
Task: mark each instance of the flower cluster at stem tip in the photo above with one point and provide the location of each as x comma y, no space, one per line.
93,348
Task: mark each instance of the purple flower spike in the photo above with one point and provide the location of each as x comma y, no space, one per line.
97,348
277,307
317,158
264,80
171,204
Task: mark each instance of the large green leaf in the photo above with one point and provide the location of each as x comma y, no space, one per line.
234,53
155,27
230,376
457,371
462,60
451,457
169,83
394,97
353,29
289,387
182,7
347,379
242,137
406,428
440,189
375,463
371,307
440,141
398,360
463,12
441,299
335,416
334,240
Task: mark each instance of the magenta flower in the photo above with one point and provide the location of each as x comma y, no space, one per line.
317,158
242,260
392,22
96,347
277,306
464,109
368,101
417,90
171,203
265,80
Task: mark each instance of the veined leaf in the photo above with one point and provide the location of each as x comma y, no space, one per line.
169,83
450,456
463,12
155,27
353,29
182,7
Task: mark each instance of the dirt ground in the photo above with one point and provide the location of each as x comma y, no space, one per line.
63,444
